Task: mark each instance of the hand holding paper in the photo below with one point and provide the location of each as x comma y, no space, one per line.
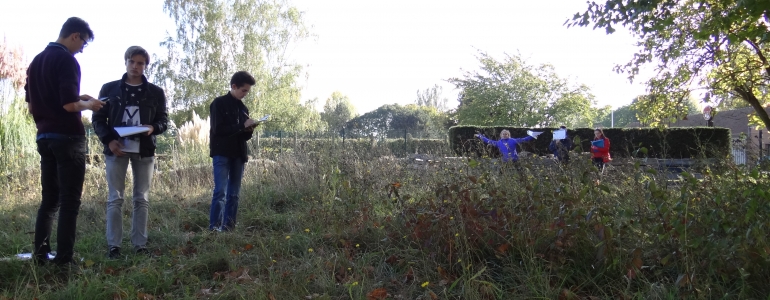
534,134
560,134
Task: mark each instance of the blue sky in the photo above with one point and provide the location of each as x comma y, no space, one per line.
374,52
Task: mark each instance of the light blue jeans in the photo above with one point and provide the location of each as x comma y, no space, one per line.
228,172
117,167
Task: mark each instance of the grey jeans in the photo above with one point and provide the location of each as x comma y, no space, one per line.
117,167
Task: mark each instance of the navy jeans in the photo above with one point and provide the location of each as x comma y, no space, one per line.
228,172
62,171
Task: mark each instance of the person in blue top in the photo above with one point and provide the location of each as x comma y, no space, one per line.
561,148
506,144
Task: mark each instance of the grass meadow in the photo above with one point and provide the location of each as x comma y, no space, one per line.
339,224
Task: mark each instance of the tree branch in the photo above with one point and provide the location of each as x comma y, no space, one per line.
761,56
749,97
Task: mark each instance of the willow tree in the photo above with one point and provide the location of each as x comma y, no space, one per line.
216,38
717,48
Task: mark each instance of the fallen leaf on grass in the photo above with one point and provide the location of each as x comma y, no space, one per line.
567,295
189,250
270,296
205,292
110,271
682,280
248,247
120,295
636,263
392,260
89,263
409,277
340,275
377,294
241,275
433,295
143,296
369,271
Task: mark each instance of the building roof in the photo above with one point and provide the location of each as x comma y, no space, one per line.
737,120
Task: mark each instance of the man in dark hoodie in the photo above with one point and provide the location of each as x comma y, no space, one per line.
231,127
130,102
52,95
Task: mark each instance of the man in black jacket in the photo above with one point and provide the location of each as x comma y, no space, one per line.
52,95
231,127
130,102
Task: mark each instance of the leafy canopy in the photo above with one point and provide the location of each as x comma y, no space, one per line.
512,92
715,48
394,121
216,38
337,110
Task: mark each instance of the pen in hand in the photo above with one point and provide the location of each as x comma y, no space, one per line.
246,124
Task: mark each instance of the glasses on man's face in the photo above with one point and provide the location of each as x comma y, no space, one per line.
85,43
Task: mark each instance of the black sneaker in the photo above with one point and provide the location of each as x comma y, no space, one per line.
143,251
40,260
114,253
69,268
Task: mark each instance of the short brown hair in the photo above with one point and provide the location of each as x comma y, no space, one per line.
136,50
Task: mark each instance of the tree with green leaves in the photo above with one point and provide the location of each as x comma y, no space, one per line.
432,98
337,111
216,38
718,48
512,92
395,120
620,117
627,114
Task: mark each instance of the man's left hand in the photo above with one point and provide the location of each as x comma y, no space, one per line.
151,129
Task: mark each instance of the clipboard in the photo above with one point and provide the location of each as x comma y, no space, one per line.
598,143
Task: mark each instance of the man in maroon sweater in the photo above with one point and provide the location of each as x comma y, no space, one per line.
53,97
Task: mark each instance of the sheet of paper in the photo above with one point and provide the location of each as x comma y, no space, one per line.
534,134
560,134
25,256
264,118
126,131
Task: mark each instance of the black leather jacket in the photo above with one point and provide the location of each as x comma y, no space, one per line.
228,134
152,111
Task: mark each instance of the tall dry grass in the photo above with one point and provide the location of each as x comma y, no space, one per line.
336,223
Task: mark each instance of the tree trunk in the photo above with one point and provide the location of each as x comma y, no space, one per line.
749,97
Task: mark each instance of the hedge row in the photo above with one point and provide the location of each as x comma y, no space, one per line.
361,147
689,142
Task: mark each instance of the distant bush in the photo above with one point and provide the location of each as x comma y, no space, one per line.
363,147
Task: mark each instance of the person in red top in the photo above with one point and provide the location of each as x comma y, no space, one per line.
600,149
